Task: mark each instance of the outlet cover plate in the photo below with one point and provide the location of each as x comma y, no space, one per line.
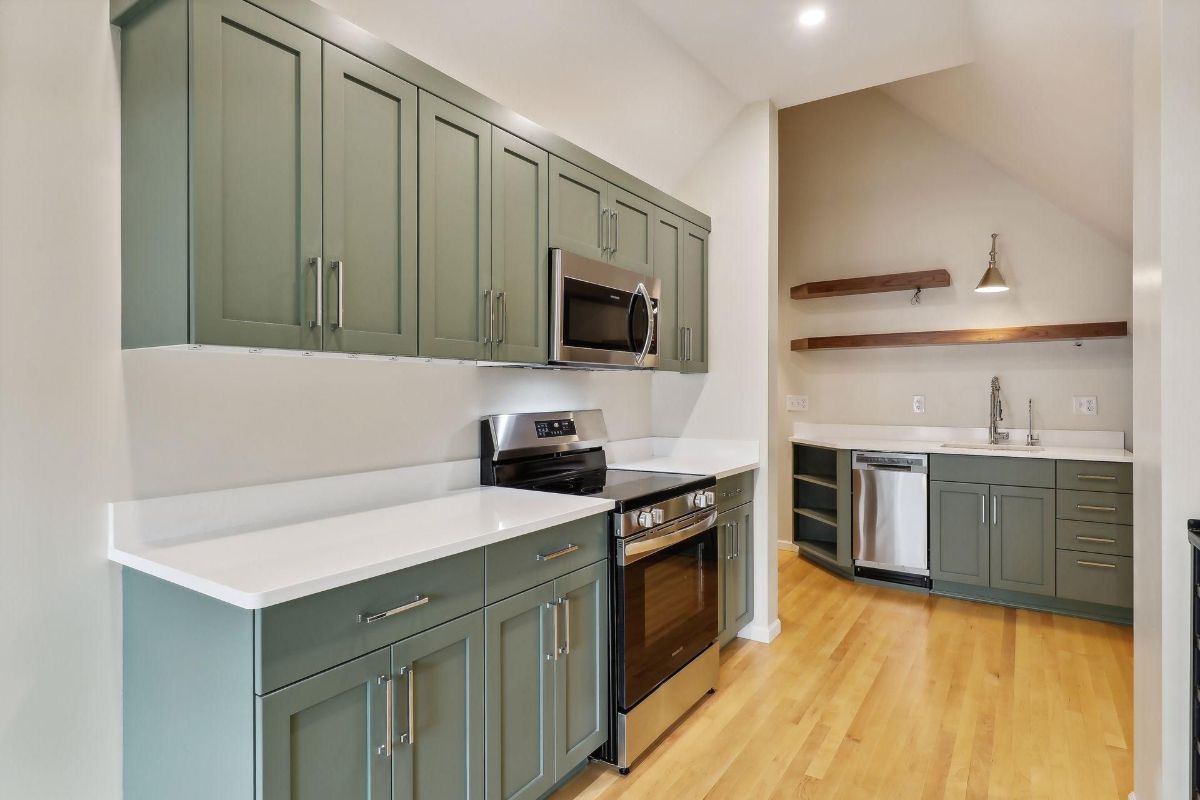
918,404
797,402
1084,406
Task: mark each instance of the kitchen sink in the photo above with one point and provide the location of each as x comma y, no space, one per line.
1021,448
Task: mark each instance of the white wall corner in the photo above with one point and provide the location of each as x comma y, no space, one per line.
761,632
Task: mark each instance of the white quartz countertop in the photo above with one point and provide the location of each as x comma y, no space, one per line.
1058,445
258,568
717,457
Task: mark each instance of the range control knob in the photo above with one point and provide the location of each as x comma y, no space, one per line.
703,499
645,519
657,515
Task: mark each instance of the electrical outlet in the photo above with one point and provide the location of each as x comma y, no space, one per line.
918,404
1085,406
797,402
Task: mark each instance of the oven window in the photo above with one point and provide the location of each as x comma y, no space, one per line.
667,614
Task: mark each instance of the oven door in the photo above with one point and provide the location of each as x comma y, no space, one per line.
601,315
666,603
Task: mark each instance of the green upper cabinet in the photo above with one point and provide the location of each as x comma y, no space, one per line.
256,172
578,210
520,277
370,199
693,293
1022,539
455,179
631,237
438,744
959,533
668,267
326,736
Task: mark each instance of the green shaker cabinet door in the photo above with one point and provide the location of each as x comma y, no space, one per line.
667,266
739,589
693,308
256,178
370,208
581,671
520,694
578,210
325,736
520,249
455,175
632,242
959,532
437,750
1022,539
725,545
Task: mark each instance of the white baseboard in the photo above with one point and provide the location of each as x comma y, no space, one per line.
791,547
761,633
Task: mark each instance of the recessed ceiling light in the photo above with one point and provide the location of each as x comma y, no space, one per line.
812,17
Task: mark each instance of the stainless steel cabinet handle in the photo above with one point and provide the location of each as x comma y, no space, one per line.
682,335
491,316
604,231
565,551
385,749
552,607
502,313
1096,477
1106,509
1096,564
566,607
995,509
737,540
340,269
612,217
983,509
1100,539
417,603
318,315
728,528
410,736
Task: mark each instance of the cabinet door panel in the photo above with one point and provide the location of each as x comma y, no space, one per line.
725,545
667,266
320,738
1022,539
577,198
520,248
632,245
740,591
441,757
581,672
959,532
256,174
693,313
370,208
520,695
455,153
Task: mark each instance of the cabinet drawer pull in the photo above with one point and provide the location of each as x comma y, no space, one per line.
552,607
1100,539
566,607
1099,564
417,603
318,317
340,269
566,551
490,310
410,736
1105,509
1096,477
502,314
386,748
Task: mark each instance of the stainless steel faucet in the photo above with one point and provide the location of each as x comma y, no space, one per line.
995,414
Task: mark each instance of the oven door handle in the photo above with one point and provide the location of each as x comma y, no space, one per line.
636,550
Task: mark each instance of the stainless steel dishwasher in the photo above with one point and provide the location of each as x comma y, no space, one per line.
891,517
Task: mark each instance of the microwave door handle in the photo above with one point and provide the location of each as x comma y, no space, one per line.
641,289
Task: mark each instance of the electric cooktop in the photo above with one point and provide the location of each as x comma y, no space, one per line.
627,488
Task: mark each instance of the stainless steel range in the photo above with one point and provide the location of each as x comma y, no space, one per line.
663,561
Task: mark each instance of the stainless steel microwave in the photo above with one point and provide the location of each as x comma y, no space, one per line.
601,315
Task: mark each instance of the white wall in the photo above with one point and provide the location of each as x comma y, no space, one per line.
867,187
82,424
735,183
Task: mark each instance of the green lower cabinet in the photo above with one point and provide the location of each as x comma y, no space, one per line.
1022,539
735,553
547,682
959,533
326,736
438,741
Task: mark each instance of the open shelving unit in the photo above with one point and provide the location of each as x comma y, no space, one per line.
821,505
1023,333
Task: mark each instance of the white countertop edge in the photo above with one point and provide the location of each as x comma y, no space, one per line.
1058,453
682,467
252,601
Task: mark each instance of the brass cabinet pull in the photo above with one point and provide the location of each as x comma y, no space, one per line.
1100,539
1096,477
1099,564
565,551
416,603
1105,509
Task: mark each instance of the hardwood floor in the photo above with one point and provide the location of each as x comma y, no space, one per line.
878,693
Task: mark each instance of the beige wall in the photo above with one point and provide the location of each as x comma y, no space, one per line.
866,187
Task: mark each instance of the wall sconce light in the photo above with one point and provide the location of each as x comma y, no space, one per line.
992,280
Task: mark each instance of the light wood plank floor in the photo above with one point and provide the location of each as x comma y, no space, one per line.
877,693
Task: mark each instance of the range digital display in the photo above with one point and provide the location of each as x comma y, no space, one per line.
552,428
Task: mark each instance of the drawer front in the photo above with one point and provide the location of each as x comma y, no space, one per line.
526,561
1095,578
735,490
1095,537
1095,506
302,637
1095,476
999,470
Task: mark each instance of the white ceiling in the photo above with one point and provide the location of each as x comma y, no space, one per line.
758,50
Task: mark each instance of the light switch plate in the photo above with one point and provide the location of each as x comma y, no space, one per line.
1084,406
918,404
797,402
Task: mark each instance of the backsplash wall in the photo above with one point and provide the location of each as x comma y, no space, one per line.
866,187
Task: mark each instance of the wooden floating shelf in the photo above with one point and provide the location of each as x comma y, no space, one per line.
873,284
1026,333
